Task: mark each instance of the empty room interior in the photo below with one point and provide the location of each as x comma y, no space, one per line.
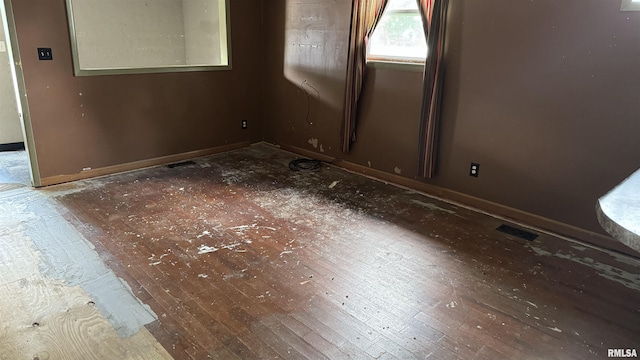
303,179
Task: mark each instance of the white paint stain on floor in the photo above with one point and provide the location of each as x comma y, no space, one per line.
432,206
252,226
204,249
532,304
204,233
606,271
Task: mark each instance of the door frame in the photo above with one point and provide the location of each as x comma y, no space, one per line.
6,11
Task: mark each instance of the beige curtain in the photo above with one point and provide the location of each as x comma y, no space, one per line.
365,14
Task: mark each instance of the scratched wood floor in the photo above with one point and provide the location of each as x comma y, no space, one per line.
242,258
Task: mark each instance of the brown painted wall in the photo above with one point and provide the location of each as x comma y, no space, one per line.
100,121
546,100
305,40
543,94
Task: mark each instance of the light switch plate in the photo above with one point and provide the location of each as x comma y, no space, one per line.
3,46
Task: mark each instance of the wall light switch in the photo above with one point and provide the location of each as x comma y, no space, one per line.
3,46
45,54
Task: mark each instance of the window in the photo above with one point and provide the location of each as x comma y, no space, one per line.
144,36
399,35
630,5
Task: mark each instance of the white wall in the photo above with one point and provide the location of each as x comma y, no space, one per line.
157,23
168,32
202,32
10,127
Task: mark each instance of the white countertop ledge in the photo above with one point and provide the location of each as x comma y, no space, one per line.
619,211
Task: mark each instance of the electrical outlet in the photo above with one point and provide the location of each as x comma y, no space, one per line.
244,124
474,169
45,54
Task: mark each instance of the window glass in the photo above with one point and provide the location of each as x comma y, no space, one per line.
630,5
399,35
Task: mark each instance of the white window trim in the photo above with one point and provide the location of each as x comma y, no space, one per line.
395,65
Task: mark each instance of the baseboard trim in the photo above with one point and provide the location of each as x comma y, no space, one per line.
520,217
136,165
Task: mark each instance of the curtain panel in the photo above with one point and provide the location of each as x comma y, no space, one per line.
365,14
434,14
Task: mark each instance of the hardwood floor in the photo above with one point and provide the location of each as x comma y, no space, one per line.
242,258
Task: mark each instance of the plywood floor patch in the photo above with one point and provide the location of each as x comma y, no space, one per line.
46,320
49,317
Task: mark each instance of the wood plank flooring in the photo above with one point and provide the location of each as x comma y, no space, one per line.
242,258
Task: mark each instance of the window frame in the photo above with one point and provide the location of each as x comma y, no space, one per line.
78,71
397,61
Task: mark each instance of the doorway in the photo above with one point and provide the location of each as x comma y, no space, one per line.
17,155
